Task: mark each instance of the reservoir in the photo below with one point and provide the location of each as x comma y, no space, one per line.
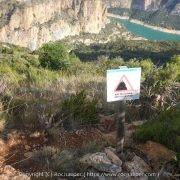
146,32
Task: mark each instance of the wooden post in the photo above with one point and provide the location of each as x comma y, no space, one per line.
120,120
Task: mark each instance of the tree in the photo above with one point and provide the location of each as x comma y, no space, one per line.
54,56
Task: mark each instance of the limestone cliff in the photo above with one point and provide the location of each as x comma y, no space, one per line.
30,23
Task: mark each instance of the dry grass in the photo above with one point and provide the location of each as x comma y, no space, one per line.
68,85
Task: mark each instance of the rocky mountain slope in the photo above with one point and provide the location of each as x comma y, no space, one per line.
161,13
172,6
30,23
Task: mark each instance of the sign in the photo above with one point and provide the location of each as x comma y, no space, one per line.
123,84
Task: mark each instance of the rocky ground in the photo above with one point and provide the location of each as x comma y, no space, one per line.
17,147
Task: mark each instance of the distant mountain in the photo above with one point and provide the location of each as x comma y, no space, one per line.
164,13
171,6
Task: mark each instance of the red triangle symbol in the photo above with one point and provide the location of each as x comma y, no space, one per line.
123,85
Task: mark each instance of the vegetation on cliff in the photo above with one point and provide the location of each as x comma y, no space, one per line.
159,18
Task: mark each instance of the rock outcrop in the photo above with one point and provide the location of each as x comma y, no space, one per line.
100,162
157,153
137,165
30,23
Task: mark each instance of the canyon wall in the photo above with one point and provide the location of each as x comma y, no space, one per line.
30,23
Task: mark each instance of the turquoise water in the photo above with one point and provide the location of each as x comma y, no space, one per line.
146,32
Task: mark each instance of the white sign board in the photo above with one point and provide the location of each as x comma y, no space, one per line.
123,84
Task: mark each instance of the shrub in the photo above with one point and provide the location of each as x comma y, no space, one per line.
54,159
79,110
90,147
27,112
40,77
44,155
105,64
164,77
147,67
9,75
64,162
54,56
54,134
164,130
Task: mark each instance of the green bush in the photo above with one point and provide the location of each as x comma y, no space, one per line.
164,77
147,67
40,77
164,130
54,56
104,64
79,110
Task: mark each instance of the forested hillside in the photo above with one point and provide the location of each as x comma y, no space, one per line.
158,52
159,18
162,13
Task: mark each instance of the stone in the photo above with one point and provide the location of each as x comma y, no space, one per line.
112,149
137,165
95,158
156,153
100,162
113,157
8,172
108,168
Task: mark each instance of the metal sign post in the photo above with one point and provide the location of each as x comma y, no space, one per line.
122,84
120,120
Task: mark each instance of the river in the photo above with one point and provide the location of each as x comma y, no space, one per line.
146,32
